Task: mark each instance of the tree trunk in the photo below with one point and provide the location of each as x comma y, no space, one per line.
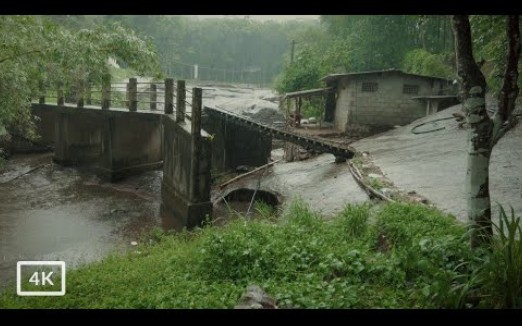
473,89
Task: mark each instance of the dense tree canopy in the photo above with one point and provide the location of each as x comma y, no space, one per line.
232,49
35,51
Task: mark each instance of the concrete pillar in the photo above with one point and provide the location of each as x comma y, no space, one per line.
195,135
169,96
153,96
180,101
186,182
132,94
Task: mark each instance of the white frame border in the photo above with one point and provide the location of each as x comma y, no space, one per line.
38,263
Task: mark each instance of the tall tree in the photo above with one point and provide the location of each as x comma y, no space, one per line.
484,131
37,51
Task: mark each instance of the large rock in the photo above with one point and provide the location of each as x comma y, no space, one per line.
255,298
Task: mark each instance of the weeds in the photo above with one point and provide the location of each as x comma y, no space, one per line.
399,255
375,183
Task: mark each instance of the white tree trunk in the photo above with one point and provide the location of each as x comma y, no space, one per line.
477,177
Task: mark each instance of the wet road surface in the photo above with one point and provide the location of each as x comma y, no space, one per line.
434,164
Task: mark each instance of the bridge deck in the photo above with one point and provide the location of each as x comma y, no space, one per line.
309,143
98,108
320,145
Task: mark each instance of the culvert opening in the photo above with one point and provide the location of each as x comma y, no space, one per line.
238,201
245,195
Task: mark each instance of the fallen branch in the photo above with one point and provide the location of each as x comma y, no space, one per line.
221,186
26,173
369,190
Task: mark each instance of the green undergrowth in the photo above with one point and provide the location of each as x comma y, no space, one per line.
395,255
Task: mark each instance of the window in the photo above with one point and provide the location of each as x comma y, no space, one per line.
369,87
410,89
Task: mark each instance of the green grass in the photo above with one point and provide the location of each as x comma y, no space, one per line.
395,255
375,183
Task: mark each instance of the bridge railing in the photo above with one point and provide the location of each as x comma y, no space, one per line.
133,95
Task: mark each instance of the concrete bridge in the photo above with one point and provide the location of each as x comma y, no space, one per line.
118,142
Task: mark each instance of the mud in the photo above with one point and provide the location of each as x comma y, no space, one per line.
56,213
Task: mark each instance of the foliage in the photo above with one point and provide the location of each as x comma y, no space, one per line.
36,51
231,49
360,43
304,73
375,183
398,255
317,54
489,45
381,42
422,62
502,271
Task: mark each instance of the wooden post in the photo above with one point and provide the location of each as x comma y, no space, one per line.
298,112
60,99
41,88
180,101
292,52
106,93
196,111
81,91
195,136
88,93
132,91
169,95
153,97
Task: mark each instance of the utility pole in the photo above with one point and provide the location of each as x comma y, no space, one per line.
292,52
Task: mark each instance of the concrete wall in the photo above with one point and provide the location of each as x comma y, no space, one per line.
133,143
185,193
369,112
117,143
234,144
78,136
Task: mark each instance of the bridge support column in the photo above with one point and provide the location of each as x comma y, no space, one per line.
185,189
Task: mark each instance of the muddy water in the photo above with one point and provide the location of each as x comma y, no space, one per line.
57,213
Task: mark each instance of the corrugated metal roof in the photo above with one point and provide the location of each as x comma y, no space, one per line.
308,92
370,72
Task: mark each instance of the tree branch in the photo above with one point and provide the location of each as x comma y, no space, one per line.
509,92
19,55
467,69
500,128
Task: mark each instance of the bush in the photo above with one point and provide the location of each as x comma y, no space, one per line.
303,261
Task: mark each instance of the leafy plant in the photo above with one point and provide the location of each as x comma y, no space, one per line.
502,273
